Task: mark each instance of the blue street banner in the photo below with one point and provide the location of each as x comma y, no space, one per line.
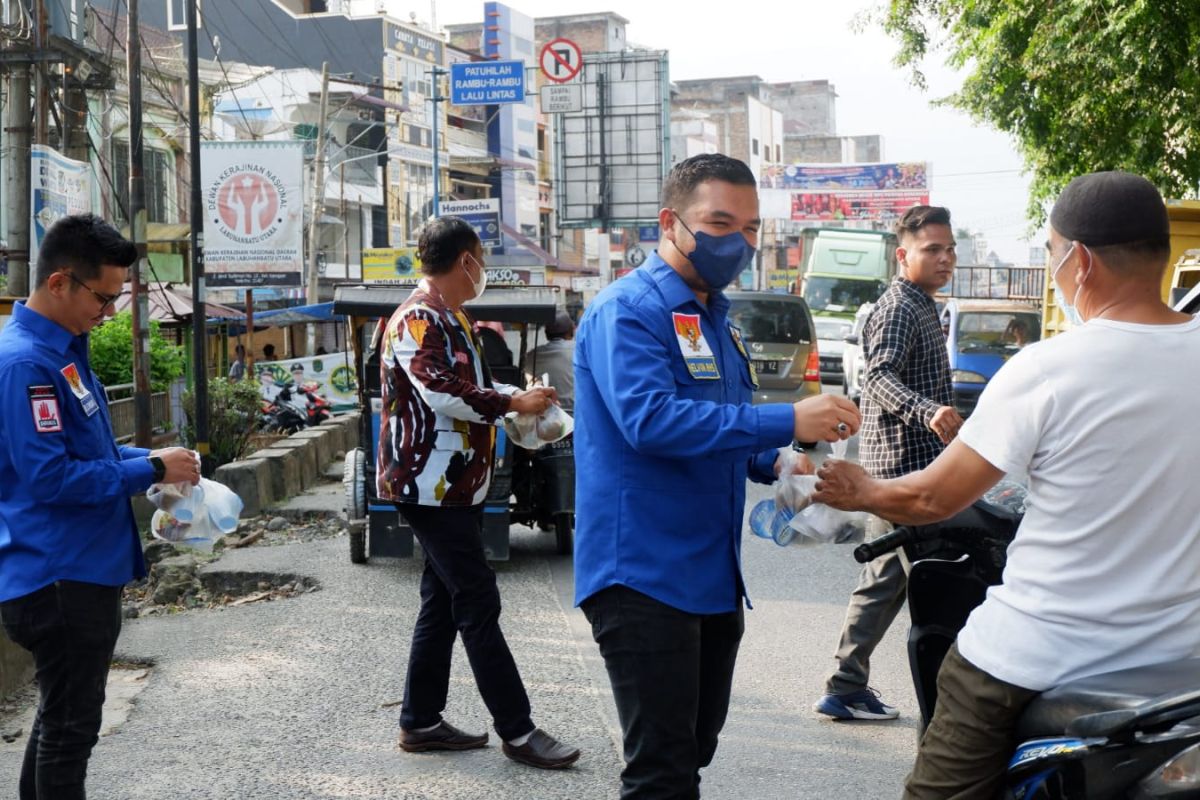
847,177
482,215
485,83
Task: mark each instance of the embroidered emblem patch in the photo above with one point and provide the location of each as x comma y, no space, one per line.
697,355
71,373
737,340
46,416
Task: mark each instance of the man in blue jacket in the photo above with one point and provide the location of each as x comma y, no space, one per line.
68,541
666,429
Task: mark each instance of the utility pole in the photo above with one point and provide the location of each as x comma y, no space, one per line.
18,130
42,103
137,229
196,217
318,205
437,73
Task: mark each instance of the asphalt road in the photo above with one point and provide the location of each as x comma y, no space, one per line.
293,699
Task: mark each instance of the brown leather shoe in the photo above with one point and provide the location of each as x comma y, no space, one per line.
444,737
542,751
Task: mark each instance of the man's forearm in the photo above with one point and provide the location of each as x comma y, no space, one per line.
910,500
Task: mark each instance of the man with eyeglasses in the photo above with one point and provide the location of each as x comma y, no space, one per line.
68,541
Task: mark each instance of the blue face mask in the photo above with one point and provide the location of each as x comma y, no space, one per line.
718,259
1070,310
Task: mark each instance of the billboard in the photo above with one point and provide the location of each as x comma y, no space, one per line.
483,215
254,213
834,208
847,177
399,266
331,376
611,157
59,187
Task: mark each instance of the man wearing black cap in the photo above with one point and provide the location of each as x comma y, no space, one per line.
1102,573
556,359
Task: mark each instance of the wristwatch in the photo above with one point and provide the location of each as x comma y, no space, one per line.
160,469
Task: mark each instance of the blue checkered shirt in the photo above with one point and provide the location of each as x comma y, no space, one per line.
907,380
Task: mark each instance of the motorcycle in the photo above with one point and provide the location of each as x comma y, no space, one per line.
289,413
1129,734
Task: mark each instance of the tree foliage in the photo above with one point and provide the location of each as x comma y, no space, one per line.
1081,85
110,350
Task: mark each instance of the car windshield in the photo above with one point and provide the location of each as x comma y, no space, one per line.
840,294
766,320
997,331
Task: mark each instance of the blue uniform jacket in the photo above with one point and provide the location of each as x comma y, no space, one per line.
64,483
665,438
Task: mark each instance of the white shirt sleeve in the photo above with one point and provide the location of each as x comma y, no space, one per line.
1008,425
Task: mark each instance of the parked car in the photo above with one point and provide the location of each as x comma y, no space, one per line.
854,365
781,340
980,336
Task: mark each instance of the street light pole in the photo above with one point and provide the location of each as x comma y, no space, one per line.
196,217
318,205
437,73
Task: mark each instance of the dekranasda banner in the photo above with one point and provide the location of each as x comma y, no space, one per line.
254,213
59,187
331,376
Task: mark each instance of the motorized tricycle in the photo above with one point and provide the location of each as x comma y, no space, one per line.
532,488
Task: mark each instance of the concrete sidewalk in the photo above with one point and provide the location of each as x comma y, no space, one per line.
286,700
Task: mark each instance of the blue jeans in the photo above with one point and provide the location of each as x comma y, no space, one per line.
671,674
71,628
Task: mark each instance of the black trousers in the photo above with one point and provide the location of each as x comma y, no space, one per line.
71,628
671,675
459,596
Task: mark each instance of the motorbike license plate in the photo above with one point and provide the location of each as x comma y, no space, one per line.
767,367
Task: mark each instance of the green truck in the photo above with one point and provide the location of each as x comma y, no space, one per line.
843,269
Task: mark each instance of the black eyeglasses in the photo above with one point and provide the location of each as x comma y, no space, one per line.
105,300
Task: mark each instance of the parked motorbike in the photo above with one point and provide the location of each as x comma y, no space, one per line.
293,409
1128,734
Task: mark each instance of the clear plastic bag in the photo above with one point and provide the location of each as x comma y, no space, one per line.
195,516
534,431
813,523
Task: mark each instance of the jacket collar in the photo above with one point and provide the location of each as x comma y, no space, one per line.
46,330
676,293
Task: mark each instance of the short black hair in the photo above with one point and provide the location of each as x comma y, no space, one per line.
918,217
82,244
685,176
1145,256
442,241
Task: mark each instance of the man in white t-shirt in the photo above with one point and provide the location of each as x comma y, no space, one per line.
1102,573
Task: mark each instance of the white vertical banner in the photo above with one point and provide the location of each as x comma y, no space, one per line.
254,213
59,187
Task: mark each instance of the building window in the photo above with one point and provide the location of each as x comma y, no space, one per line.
754,146
418,197
778,154
161,204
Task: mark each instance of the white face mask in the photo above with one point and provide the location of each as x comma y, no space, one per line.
1070,310
479,283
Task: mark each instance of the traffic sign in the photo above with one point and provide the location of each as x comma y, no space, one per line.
561,60
482,215
561,98
485,83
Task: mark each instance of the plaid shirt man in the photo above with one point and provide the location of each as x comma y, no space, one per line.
907,380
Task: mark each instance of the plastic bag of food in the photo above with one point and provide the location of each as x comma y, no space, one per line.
534,431
195,516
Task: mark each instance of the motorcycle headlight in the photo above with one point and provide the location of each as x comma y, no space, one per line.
1179,777
966,376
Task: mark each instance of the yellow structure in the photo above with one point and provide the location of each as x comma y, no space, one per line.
1185,235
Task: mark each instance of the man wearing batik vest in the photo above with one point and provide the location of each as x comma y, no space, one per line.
436,442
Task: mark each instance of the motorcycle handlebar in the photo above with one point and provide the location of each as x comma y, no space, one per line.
893,540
